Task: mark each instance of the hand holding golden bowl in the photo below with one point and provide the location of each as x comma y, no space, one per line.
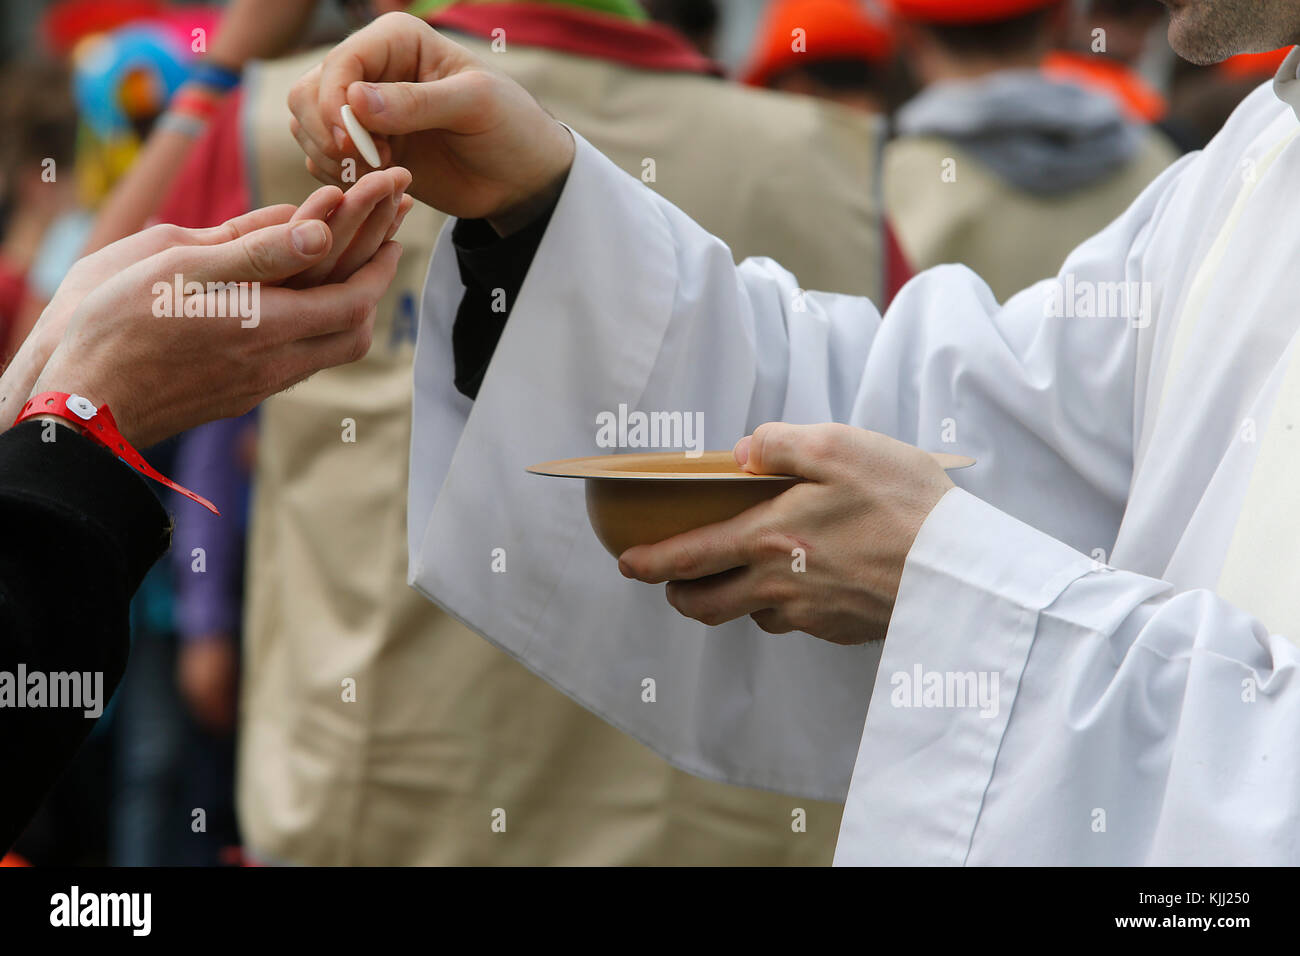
720,529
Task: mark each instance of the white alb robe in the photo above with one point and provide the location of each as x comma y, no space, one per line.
1141,717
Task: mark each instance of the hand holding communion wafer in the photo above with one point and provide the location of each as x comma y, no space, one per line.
476,143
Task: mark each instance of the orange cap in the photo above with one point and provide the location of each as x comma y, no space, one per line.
958,12
832,30
1140,100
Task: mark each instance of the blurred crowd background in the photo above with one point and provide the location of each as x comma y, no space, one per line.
118,113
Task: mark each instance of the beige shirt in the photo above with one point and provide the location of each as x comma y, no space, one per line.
946,206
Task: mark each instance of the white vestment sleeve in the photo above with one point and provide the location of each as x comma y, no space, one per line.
629,302
1130,724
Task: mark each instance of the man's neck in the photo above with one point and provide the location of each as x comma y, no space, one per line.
938,67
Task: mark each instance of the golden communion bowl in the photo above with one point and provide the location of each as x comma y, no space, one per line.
648,497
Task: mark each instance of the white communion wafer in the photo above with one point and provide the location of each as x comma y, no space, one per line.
365,145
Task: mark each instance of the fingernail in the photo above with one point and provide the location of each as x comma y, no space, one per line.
374,101
309,237
742,451
340,137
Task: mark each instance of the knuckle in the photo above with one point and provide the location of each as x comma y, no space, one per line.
799,615
361,344
317,172
771,544
263,381
765,432
778,590
259,253
338,52
818,445
689,602
166,234
480,86
769,622
688,561
711,618
404,94
708,613
358,315
674,594
778,442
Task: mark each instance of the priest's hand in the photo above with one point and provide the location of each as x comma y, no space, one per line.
825,556
477,143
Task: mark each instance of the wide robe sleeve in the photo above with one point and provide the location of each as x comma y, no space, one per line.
1107,718
629,302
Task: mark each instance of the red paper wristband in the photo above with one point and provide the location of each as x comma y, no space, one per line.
98,425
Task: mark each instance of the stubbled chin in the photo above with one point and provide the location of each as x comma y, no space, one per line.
1193,42
1200,36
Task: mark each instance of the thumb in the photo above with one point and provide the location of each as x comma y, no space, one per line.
780,449
265,255
741,451
398,108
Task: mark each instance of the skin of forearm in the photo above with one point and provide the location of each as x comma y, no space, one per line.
256,30
249,31
16,385
135,198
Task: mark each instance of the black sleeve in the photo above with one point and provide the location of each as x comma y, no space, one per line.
78,532
493,270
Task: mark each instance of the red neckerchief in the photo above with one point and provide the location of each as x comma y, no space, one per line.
649,46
